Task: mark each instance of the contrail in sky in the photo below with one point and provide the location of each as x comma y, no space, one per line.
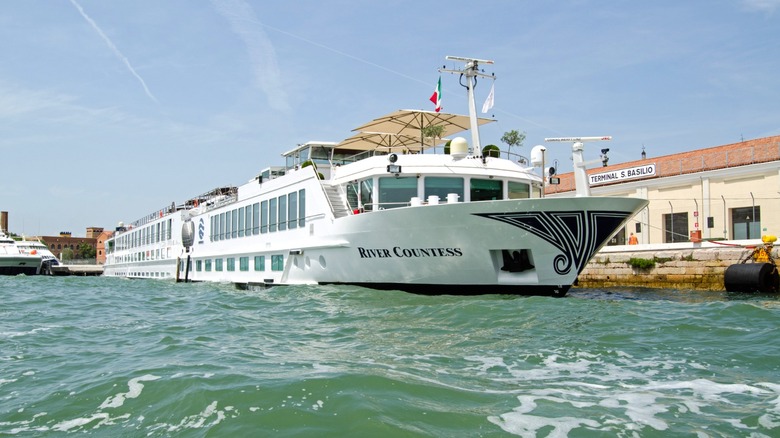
114,49
262,54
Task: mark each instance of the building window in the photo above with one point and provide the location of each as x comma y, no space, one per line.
259,263
746,223
676,227
277,262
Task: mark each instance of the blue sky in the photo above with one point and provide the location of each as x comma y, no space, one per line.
111,110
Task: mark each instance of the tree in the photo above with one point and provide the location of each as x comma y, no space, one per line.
491,150
433,131
66,254
513,138
86,251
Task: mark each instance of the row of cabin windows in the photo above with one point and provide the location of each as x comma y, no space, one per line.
155,254
258,264
398,191
276,214
147,235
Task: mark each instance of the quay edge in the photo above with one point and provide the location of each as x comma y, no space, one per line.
77,270
685,266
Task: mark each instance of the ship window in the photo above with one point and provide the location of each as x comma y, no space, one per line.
264,217
485,189
208,265
234,230
518,190
292,210
228,222
221,226
352,195
396,192
366,194
277,262
272,213
243,263
231,264
259,263
256,218
218,265
443,186
301,207
282,212
241,222
248,221
198,265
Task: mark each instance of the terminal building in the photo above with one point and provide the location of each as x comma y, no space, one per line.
729,192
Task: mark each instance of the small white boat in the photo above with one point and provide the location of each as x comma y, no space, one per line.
15,262
388,208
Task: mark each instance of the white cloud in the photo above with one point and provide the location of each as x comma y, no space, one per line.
114,49
762,5
262,54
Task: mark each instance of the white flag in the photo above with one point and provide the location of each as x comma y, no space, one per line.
489,101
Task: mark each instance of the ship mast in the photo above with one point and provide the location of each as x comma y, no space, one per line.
471,71
581,181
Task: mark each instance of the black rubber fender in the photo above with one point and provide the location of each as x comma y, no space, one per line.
751,277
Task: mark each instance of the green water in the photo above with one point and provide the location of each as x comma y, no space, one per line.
111,357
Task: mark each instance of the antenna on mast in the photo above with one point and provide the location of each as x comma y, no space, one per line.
471,71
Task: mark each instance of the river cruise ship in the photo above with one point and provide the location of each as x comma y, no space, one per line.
391,207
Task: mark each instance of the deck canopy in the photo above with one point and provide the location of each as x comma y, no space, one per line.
384,142
403,129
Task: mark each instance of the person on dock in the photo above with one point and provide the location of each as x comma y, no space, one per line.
632,240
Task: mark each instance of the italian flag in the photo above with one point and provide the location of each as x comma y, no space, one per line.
436,97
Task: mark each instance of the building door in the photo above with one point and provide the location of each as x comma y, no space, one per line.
619,238
676,227
746,223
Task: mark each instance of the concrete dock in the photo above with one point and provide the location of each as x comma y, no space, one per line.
80,270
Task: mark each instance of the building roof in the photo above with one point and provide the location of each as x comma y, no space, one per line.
760,150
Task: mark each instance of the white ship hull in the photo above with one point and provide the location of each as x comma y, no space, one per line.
435,249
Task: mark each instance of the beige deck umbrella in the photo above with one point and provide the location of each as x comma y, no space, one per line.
411,123
380,141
